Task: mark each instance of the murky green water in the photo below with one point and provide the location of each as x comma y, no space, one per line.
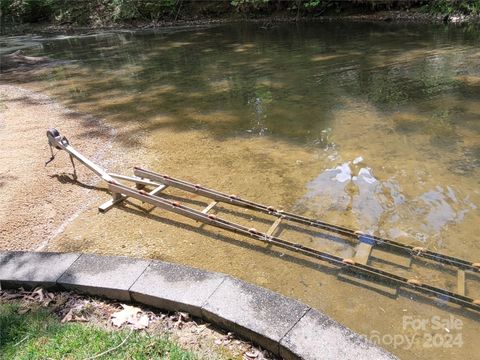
375,127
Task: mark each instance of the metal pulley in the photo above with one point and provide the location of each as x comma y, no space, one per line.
55,139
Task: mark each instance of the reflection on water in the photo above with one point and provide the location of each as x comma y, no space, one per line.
379,205
286,80
374,127
258,124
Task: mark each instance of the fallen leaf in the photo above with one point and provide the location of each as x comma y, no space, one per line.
251,354
79,318
68,316
39,292
12,296
141,323
127,315
199,329
183,316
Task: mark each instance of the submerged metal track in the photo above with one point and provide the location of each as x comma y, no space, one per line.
234,200
144,178
347,264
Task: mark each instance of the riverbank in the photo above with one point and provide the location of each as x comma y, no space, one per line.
396,16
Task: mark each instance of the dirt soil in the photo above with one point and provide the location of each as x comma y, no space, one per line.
33,207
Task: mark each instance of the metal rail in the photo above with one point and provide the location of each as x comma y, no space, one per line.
144,178
375,240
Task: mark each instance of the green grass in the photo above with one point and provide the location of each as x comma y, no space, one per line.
39,334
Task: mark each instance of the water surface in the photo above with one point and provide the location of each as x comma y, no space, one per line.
371,126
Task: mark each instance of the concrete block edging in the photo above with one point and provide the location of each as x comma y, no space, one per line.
279,324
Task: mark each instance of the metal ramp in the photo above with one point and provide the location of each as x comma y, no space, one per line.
362,268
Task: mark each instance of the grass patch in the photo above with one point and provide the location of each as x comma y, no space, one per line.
38,334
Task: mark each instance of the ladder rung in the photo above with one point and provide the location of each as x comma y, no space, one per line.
158,189
209,207
363,253
120,197
461,282
274,226
392,258
382,288
136,180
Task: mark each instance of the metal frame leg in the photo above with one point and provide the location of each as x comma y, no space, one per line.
74,168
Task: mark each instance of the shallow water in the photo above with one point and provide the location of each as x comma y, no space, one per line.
375,127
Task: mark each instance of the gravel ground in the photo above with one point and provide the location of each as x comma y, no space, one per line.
33,207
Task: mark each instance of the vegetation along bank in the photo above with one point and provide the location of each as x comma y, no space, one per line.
102,13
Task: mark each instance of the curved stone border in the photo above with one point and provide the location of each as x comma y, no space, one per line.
282,325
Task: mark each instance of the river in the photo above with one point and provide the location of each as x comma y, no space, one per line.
372,126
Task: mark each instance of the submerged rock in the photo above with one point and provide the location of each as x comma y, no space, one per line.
18,58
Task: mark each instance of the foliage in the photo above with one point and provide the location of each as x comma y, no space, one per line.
26,10
83,12
469,6
312,3
104,12
249,5
41,335
449,7
155,10
294,5
123,9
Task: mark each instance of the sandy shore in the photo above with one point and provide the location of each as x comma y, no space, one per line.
34,208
